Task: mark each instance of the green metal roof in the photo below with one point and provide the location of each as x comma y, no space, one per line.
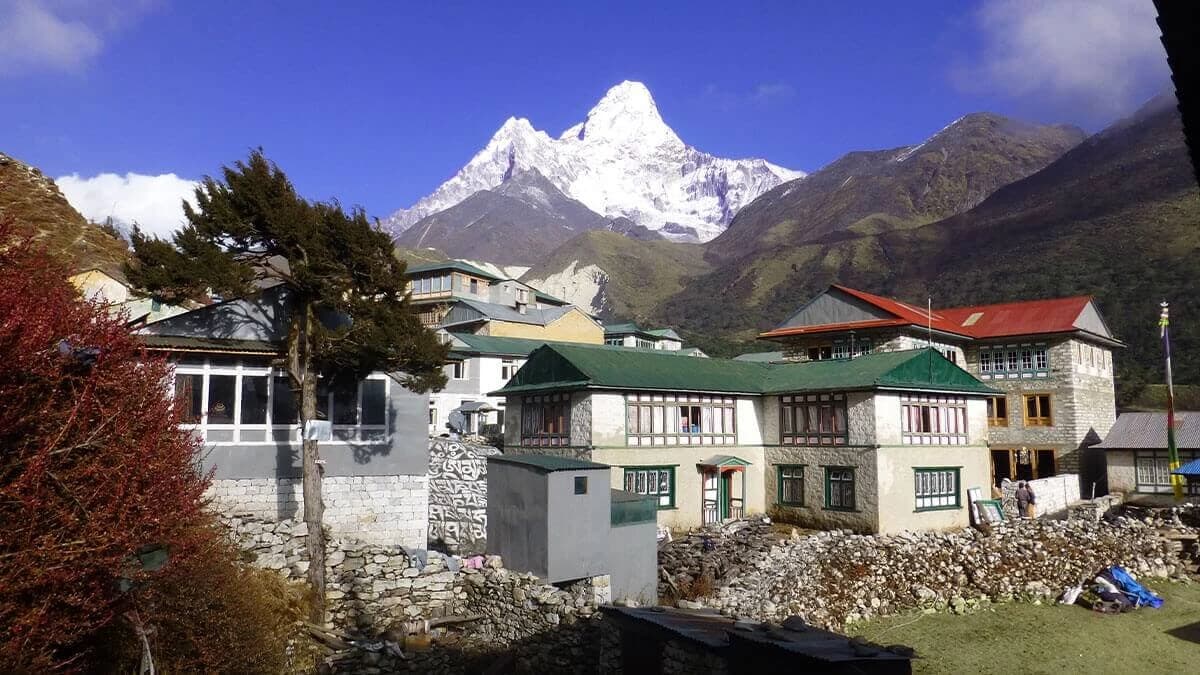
622,328
548,298
924,369
452,265
724,460
548,463
569,366
490,345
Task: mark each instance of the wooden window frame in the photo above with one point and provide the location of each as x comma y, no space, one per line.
953,423
533,420
852,482
627,471
779,478
1046,418
792,407
993,419
663,408
933,470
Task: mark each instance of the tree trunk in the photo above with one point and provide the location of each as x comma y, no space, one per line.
301,366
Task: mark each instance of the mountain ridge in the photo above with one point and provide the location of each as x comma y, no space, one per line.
621,161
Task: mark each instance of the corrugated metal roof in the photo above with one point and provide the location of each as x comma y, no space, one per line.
184,343
1192,468
1009,319
532,315
548,463
457,265
1029,317
563,366
1148,431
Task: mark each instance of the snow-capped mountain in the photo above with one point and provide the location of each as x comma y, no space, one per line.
623,160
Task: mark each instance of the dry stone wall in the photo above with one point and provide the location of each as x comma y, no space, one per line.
836,577
375,591
458,495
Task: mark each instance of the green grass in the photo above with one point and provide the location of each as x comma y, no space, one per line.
1023,638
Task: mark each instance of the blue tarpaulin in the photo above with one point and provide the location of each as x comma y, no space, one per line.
1139,594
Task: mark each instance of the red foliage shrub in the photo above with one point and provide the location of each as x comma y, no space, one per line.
93,465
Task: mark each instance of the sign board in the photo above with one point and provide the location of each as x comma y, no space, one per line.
318,430
990,510
973,496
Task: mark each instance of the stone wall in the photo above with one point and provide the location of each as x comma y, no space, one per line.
1052,495
391,510
375,591
458,495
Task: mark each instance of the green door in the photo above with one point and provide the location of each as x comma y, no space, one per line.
726,485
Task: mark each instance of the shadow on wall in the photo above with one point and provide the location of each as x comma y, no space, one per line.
1093,466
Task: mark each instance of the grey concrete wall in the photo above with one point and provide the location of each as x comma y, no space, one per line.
1122,473
517,517
406,451
633,562
577,525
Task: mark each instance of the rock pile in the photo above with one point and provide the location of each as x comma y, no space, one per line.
709,558
836,577
377,595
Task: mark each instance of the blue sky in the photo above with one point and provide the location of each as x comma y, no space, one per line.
377,103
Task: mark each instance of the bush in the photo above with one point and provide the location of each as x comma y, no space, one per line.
214,613
93,465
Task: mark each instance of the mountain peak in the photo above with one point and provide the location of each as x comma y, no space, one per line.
626,113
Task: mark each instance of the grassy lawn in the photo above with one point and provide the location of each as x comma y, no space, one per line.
1022,638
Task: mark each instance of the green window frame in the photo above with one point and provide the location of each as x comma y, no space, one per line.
937,488
840,488
652,481
789,484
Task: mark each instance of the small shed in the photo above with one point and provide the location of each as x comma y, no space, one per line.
549,515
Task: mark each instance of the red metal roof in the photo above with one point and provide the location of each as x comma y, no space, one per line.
1030,317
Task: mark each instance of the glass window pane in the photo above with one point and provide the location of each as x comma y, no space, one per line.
220,398
374,402
189,396
345,404
254,399
283,406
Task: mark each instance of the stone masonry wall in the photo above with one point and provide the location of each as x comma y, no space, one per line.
390,510
458,495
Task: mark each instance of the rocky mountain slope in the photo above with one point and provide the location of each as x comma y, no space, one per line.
515,223
621,161
34,203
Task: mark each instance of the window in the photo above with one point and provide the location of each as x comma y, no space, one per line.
615,342
643,343
997,411
1153,471
933,420
508,368
821,353
189,396
252,403
839,488
546,420
374,402
221,390
654,481
936,488
679,419
985,361
458,370
790,479
474,285
254,399
813,419
1037,410
1041,362
581,485
1012,361
841,350
1026,359
283,403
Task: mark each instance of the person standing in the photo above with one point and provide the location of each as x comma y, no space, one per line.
1025,500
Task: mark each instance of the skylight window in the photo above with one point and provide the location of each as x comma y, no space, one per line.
973,319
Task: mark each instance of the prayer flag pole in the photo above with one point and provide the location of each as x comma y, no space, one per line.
1164,322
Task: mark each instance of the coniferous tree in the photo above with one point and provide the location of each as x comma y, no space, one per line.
345,292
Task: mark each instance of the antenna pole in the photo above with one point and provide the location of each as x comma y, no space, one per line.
929,333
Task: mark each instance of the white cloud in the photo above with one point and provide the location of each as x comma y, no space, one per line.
155,203
1096,53
62,35
767,92
763,94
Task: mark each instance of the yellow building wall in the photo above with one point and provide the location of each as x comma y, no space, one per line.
574,326
96,285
